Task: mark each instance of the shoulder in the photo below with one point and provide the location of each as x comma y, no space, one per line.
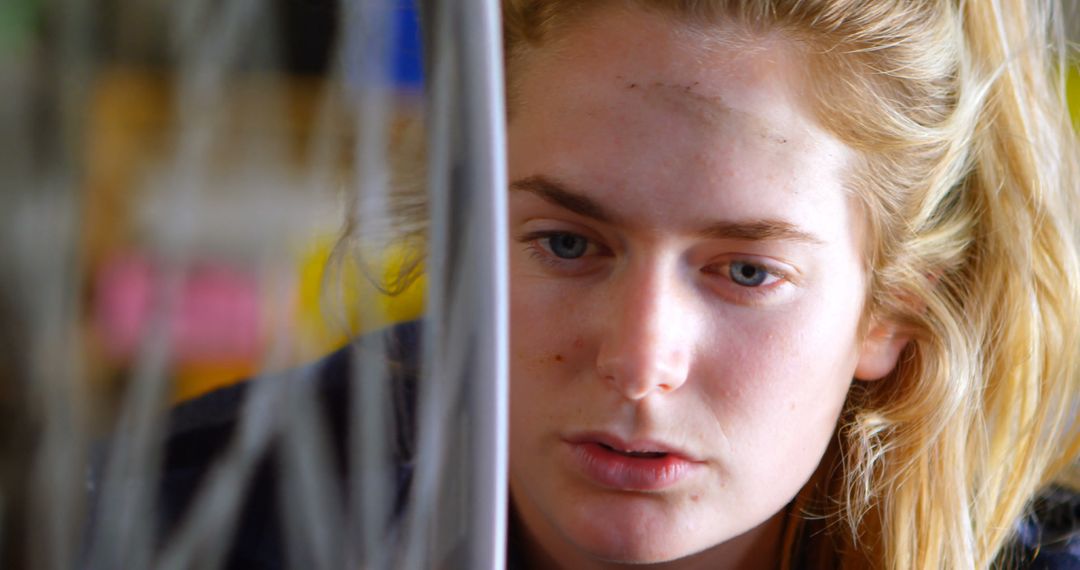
200,432
1048,537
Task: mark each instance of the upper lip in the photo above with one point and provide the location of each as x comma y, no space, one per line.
637,444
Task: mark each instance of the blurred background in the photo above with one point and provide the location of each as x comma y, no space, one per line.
204,148
175,177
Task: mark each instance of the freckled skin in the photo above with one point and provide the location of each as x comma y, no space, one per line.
651,341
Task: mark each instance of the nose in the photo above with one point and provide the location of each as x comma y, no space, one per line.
648,335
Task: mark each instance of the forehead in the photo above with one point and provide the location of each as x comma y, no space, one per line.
711,73
638,103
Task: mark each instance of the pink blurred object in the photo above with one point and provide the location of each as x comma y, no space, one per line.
216,317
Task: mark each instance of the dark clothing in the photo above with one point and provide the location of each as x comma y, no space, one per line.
1050,535
200,431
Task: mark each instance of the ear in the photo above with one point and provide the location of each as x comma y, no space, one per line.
880,351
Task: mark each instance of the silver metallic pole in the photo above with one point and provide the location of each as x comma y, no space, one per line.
485,127
459,498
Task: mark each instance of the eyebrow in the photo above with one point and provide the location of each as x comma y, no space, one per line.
561,195
759,230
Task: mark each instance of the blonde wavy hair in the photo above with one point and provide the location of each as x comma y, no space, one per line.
969,181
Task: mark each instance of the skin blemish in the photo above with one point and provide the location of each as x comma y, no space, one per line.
578,343
708,110
558,358
695,498
768,135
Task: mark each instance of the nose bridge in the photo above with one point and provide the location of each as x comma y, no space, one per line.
647,344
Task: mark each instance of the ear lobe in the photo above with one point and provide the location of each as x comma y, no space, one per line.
880,352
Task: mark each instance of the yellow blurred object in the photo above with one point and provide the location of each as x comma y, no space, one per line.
192,380
336,301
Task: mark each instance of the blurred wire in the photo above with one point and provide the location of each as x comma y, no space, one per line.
209,176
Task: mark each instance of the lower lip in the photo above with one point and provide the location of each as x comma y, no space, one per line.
622,472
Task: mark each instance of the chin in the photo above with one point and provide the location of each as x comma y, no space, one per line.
636,538
635,550
628,550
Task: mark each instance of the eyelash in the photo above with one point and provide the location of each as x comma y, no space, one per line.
543,255
723,270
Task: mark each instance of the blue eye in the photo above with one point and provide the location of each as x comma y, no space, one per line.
747,274
567,246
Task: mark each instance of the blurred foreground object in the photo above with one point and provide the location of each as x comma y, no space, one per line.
176,178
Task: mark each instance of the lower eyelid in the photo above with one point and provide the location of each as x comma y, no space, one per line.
542,255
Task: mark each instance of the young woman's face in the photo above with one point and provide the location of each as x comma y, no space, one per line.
686,283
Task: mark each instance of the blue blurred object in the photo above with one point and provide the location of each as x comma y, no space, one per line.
407,67
365,39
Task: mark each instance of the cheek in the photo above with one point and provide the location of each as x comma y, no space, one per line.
546,348
776,376
548,314
537,322
779,386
